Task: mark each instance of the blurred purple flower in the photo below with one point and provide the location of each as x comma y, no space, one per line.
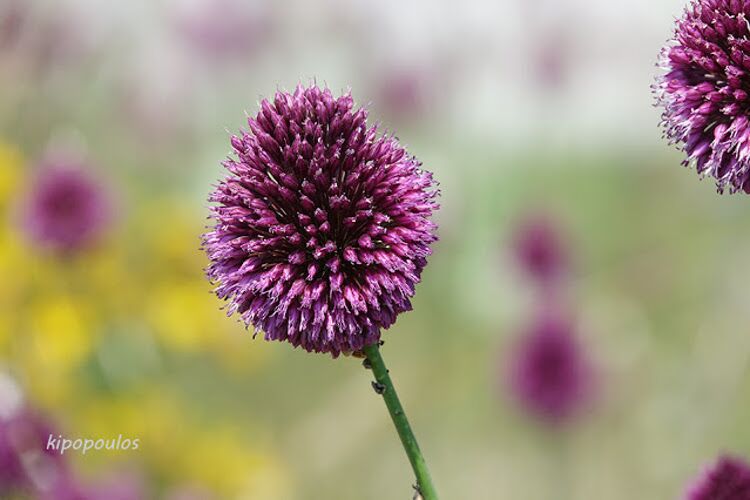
25,462
551,60
12,474
67,209
550,374
402,93
703,90
12,16
322,229
223,28
727,479
540,250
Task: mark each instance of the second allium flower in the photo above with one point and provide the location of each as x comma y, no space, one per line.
704,90
322,227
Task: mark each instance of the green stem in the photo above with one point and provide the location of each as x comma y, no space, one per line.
384,386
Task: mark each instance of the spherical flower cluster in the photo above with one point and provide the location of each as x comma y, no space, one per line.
322,228
550,374
67,209
704,90
727,479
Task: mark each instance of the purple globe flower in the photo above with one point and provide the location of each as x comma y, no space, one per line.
322,228
550,374
66,210
704,90
727,479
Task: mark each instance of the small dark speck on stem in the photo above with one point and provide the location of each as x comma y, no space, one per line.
378,387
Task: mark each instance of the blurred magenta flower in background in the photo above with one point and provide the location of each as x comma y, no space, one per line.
67,208
550,373
12,17
541,250
727,479
404,94
222,29
26,466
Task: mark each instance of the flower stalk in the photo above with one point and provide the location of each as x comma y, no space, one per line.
384,386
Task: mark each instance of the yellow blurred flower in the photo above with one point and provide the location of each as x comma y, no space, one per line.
184,315
267,479
173,249
11,173
48,385
179,449
61,331
152,415
14,265
187,317
110,281
221,460
13,258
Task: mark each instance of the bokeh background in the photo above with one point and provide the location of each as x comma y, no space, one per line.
519,107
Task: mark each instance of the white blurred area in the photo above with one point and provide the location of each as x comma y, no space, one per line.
556,73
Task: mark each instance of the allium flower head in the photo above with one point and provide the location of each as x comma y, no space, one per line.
66,209
550,374
322,227
704,90
727,479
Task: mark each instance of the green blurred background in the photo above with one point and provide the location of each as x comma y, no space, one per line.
517,106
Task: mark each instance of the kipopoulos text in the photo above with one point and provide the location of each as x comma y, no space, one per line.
61,444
